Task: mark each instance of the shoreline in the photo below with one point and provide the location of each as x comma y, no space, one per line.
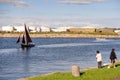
26,78
57,35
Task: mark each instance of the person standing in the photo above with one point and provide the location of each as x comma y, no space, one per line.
99,58
113,57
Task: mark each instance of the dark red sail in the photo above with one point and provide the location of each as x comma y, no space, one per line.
18,40
23,39
28,39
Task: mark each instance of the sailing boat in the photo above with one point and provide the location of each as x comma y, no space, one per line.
26,40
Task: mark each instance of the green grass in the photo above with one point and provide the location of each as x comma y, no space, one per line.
92,33
90,74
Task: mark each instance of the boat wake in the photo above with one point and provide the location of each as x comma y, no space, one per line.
8,50
103,40
66,45
96,42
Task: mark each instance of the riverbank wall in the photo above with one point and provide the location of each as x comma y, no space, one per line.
61,35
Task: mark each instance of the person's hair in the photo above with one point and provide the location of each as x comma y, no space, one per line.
113,49
97,51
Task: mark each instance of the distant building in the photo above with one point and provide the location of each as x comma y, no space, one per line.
45,29
117,31
60,29
22,29
38,29
19,28
32,29
8,28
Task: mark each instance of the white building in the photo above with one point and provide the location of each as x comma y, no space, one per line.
45,29
88,27
117,31
32,29
22,28
19,28
60,29
38,29
7,28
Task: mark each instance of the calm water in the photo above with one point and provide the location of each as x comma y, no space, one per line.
51,55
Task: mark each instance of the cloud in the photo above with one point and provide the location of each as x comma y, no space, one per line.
60,22
17,3
80,1
3,11
52,22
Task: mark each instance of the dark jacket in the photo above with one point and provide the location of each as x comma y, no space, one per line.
113,55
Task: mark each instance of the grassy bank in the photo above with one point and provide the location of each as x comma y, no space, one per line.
63,35
93,33
90,74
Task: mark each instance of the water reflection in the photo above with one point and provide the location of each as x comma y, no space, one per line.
26,49
25,61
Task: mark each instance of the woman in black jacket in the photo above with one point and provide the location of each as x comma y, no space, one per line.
113,57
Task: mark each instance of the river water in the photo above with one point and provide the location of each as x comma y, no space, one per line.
52,55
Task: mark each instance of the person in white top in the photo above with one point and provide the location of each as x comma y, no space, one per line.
99,59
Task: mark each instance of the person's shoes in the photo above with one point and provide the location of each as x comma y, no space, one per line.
108,66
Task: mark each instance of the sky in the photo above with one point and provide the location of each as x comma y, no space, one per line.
58,13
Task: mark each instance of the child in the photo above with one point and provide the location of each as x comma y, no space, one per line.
99,59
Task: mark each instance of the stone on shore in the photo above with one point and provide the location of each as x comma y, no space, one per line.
23,79
76,71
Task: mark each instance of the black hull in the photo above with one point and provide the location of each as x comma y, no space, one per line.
27,45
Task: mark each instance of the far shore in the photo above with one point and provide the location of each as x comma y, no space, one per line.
59,35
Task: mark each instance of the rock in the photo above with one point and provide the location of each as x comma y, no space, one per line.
23,79
76,71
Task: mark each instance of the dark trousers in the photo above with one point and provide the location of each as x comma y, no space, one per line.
100,64
112,60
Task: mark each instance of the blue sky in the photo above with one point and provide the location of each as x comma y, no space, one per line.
57,13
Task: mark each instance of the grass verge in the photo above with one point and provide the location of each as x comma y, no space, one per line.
90,74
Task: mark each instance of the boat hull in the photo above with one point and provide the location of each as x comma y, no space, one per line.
28,45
